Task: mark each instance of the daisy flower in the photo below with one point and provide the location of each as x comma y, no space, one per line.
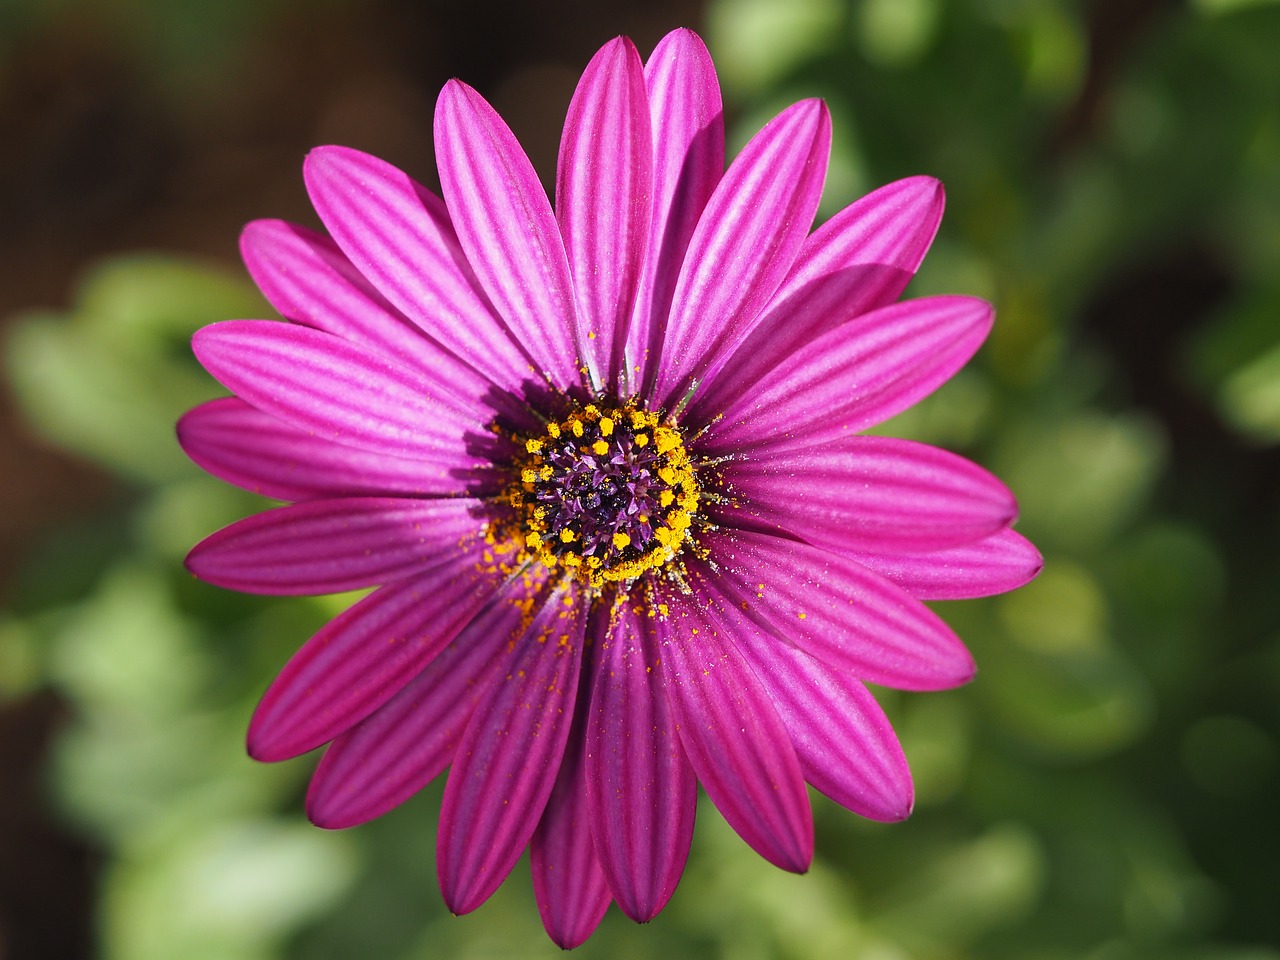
603,462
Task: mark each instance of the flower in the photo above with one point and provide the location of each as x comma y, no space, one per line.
604,465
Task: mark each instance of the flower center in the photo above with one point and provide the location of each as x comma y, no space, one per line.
608,492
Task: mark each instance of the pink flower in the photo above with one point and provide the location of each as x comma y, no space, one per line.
604,465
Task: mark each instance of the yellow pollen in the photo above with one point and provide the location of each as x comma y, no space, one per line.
555,521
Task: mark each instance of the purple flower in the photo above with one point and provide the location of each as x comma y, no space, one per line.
604,466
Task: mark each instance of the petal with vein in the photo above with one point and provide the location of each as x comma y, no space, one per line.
733,736
568,882
846,746
745,244
331,546
309,280
861,494
407,742
641,790
832,608
364,656
1002,562
505,225
688,161
507,762
854,376
257,452
859,260
397,233
343,393
604,185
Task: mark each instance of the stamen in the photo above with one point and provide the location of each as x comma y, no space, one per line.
607,493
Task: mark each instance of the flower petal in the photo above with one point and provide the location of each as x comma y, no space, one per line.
863,494
568,882
343,393
505,225
364,656
253,450
506,764
407,742
641,791
1002,562
852,377
687,120
745,244
859,260
604,185
330,546
397,233
733,736
833,609
846,746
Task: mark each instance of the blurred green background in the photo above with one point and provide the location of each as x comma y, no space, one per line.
1108,788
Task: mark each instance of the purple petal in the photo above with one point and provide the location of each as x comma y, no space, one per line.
505,225
733,736
506,764
859,260
344,394
309,280
1002,562
641,791
604,190
407,742
833,609
846,746
397,233
244,446
745,244
867,494
688,161
568,882
330,546
363,657
852,377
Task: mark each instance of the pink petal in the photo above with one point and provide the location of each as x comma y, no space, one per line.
505,225
407,742
603,198
688,161
846,746
641,791
363,657
866,494
832,608
309,280
330,546
244,446
733,736
506,764
859,260
568,881
397,233
854,376
1002,562
745,244
323,384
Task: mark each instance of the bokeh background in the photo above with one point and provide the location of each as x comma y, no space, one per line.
1107,788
